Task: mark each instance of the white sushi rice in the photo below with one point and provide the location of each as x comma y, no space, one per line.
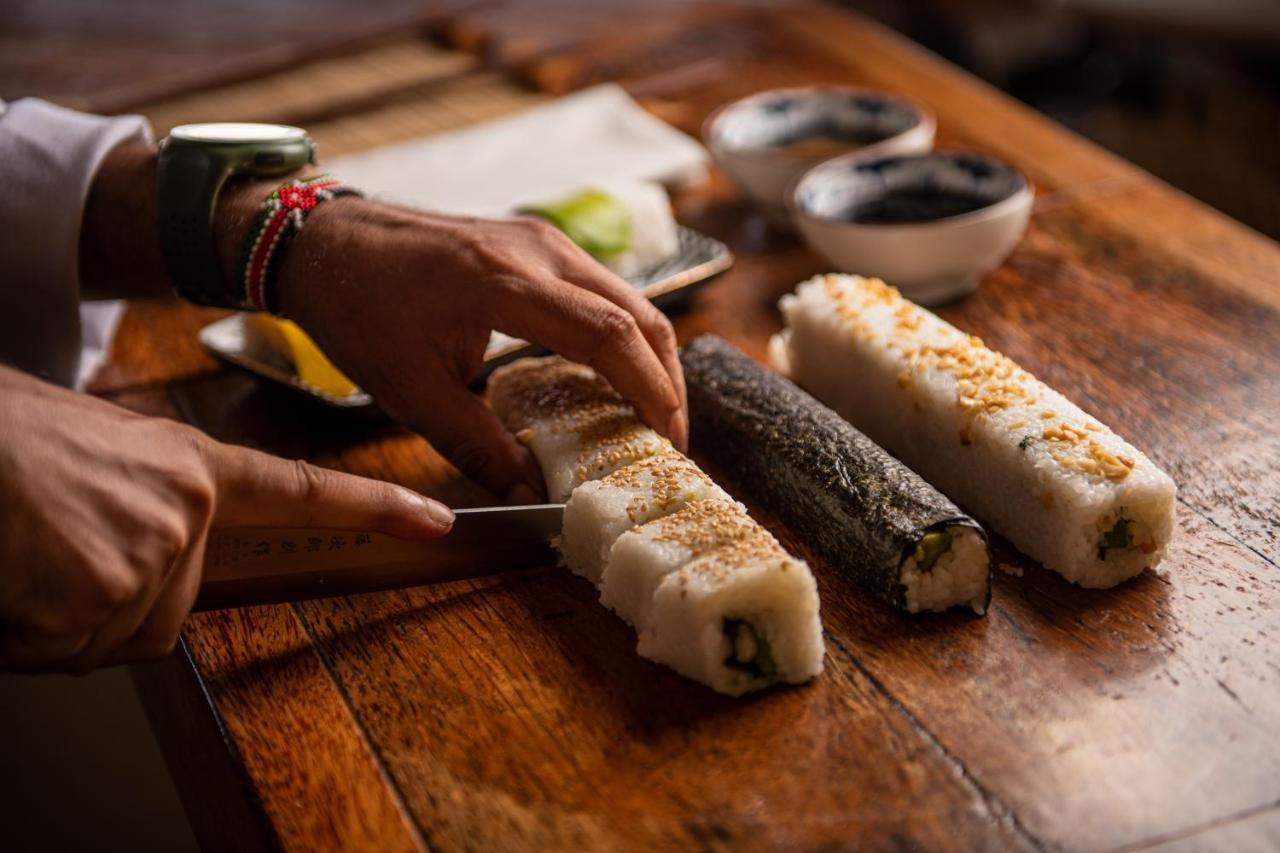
754,584
602,510
743,614
959,577
577,427
654,236
644,555
591,446
1061,486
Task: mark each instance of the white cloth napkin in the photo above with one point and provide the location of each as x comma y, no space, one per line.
596,136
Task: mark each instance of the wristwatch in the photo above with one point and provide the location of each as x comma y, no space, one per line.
196,160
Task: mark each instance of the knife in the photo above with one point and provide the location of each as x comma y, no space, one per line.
267,565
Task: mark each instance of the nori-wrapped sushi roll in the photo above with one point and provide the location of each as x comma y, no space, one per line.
864,511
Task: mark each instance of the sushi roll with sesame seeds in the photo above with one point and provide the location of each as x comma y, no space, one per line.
1053,480
602,510
644,555
738,618
586,445
745,614
577,427
870,516
530,390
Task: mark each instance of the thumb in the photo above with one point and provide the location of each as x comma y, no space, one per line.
257,489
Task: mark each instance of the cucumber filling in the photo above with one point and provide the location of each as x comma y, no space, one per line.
931,547
1120,536
748,651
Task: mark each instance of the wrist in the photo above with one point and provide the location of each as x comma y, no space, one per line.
203,209
343,244
234,215
118,254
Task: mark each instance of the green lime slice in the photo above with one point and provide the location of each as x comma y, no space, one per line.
593,219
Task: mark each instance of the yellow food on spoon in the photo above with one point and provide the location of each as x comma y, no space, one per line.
312,365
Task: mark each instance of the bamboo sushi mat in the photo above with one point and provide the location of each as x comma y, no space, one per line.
376,97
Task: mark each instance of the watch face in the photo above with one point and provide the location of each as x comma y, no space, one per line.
236,132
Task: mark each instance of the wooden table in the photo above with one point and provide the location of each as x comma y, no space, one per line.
513,712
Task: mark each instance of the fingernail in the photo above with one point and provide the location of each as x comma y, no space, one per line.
678,429
521,495
439,513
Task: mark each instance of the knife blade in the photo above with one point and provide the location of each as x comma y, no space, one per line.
266,565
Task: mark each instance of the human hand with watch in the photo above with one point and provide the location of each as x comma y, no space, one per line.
403,301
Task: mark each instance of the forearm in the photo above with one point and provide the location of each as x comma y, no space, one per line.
120,253
119,236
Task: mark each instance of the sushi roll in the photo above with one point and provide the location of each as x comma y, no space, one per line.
742,616
537,389
868,514
644,555
602,510
738,618
588,445
577,427
1052,479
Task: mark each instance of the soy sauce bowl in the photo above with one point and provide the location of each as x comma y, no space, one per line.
754,139
931,225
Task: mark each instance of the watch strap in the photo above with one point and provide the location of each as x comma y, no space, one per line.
192,171
189,194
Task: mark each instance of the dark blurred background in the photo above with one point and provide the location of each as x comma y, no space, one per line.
1188,89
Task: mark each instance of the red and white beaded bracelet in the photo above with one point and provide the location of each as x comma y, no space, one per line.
278,222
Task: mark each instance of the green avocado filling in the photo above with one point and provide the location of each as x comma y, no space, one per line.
593,219
1119,536
931,547
748,650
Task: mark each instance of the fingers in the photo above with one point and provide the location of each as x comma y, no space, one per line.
109,608
470,436
259,490
105,641
27,649
148,627
157,634
584,326
654,325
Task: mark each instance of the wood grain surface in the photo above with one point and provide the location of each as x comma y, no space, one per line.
513,713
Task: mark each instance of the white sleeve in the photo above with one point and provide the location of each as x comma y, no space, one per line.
48,158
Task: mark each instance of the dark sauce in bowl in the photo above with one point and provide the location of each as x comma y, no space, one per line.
908,205
824,144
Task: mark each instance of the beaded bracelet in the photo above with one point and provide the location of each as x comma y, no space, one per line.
278,222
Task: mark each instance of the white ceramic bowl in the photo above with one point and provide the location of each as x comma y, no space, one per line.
930,261
744,136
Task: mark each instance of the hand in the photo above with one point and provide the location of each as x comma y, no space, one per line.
404,301
106,514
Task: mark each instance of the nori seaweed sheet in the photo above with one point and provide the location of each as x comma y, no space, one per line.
856,505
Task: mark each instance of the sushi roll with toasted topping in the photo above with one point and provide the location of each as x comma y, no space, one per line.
644,555
738,618
868,514
576,425
602,510
1055,481
744,614
531,390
